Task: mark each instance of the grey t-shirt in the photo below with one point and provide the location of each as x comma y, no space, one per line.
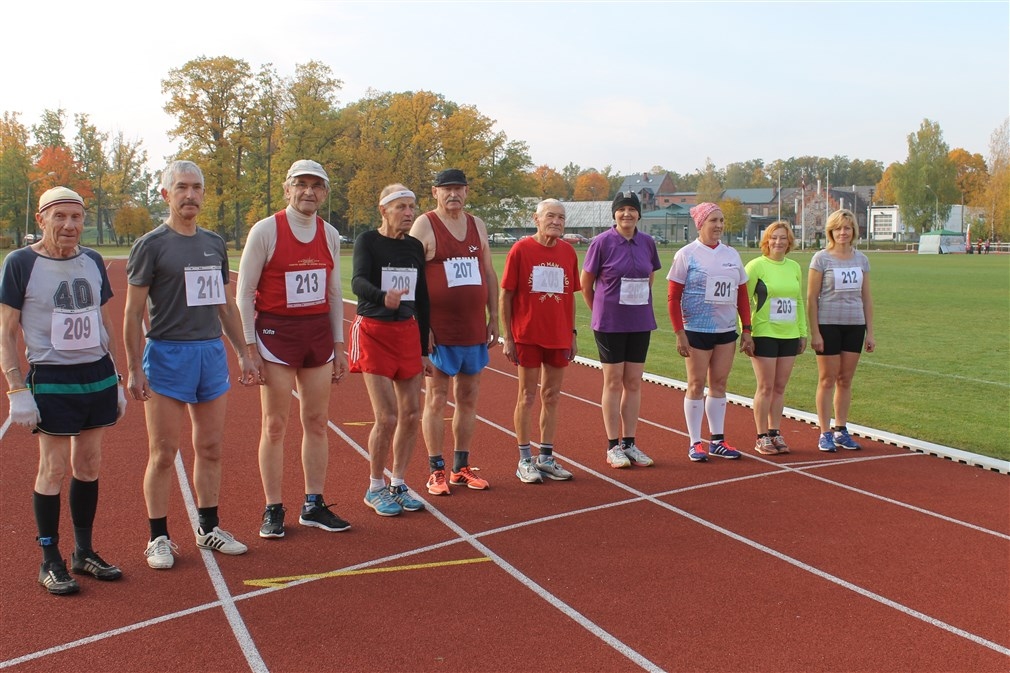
186,278
60,302
840,299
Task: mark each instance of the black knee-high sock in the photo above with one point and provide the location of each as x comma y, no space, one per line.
47,520
83,505
207,516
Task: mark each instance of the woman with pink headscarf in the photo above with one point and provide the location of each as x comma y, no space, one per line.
707,291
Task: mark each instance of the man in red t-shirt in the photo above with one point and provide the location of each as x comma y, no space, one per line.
537,305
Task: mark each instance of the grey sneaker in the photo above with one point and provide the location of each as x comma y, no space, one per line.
528,472
220,540
637,456
401,494
90,563
548,467
617,458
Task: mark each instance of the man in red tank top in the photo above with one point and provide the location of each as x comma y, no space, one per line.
462,289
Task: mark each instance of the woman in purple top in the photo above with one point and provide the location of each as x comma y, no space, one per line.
617,286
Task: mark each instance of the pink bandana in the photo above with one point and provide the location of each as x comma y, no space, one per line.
701,212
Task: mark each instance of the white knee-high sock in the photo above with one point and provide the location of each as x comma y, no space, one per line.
693,412
715,409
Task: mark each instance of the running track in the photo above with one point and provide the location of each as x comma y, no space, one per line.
879,560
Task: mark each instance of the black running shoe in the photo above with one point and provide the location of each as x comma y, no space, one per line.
273,522
54,577
90,563
320,516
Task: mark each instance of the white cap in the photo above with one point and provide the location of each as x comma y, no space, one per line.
307,167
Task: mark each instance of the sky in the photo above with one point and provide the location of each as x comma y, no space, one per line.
629,85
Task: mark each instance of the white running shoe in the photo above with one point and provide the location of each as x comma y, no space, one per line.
617,458
222,541
159,553
637,456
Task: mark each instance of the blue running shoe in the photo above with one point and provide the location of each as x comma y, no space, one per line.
401,494
382,502
826,443
721,448
844,440
698,452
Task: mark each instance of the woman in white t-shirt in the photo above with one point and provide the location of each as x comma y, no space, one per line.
707,291
840,315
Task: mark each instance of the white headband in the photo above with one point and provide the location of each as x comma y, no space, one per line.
396,195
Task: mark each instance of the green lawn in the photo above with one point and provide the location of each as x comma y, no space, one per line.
941,372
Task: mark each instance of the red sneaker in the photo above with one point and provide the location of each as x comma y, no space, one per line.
437,484
466,477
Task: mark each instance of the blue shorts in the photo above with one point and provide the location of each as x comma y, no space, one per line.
72,398
452,360
188,371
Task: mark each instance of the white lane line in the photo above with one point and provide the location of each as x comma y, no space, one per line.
238,627
873,363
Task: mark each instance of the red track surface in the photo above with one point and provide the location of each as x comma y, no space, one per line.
881,560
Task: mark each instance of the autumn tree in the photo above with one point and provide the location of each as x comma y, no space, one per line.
210,99
709,184
886,190
549,184
15,166
996,197
735,214
972,175
132,221
926,182
591,186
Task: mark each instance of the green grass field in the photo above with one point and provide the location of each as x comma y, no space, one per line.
941,372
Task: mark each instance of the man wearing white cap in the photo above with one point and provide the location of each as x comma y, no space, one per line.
55,293
179,273
292,314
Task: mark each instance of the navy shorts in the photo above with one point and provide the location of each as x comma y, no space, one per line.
706,341
839,338
188,371
72,398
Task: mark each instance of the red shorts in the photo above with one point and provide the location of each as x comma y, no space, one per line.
531,356
300,341
390,348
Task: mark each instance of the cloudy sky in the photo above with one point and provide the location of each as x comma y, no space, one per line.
626,84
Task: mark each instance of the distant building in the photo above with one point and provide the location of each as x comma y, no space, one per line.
654,190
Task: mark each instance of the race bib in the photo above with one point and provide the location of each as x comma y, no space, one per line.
720,290
204,286
75,330
782,309
462,271
549,279
634,291
396,278
848,279
305,288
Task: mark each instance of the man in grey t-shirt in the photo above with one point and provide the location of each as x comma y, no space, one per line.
179,273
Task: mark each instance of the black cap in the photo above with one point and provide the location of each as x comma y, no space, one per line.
626,199
450,176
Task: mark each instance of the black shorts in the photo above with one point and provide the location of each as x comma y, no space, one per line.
839,338
72,398
706,341
770,347
618,347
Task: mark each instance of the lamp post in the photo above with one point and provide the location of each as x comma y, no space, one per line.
28,196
